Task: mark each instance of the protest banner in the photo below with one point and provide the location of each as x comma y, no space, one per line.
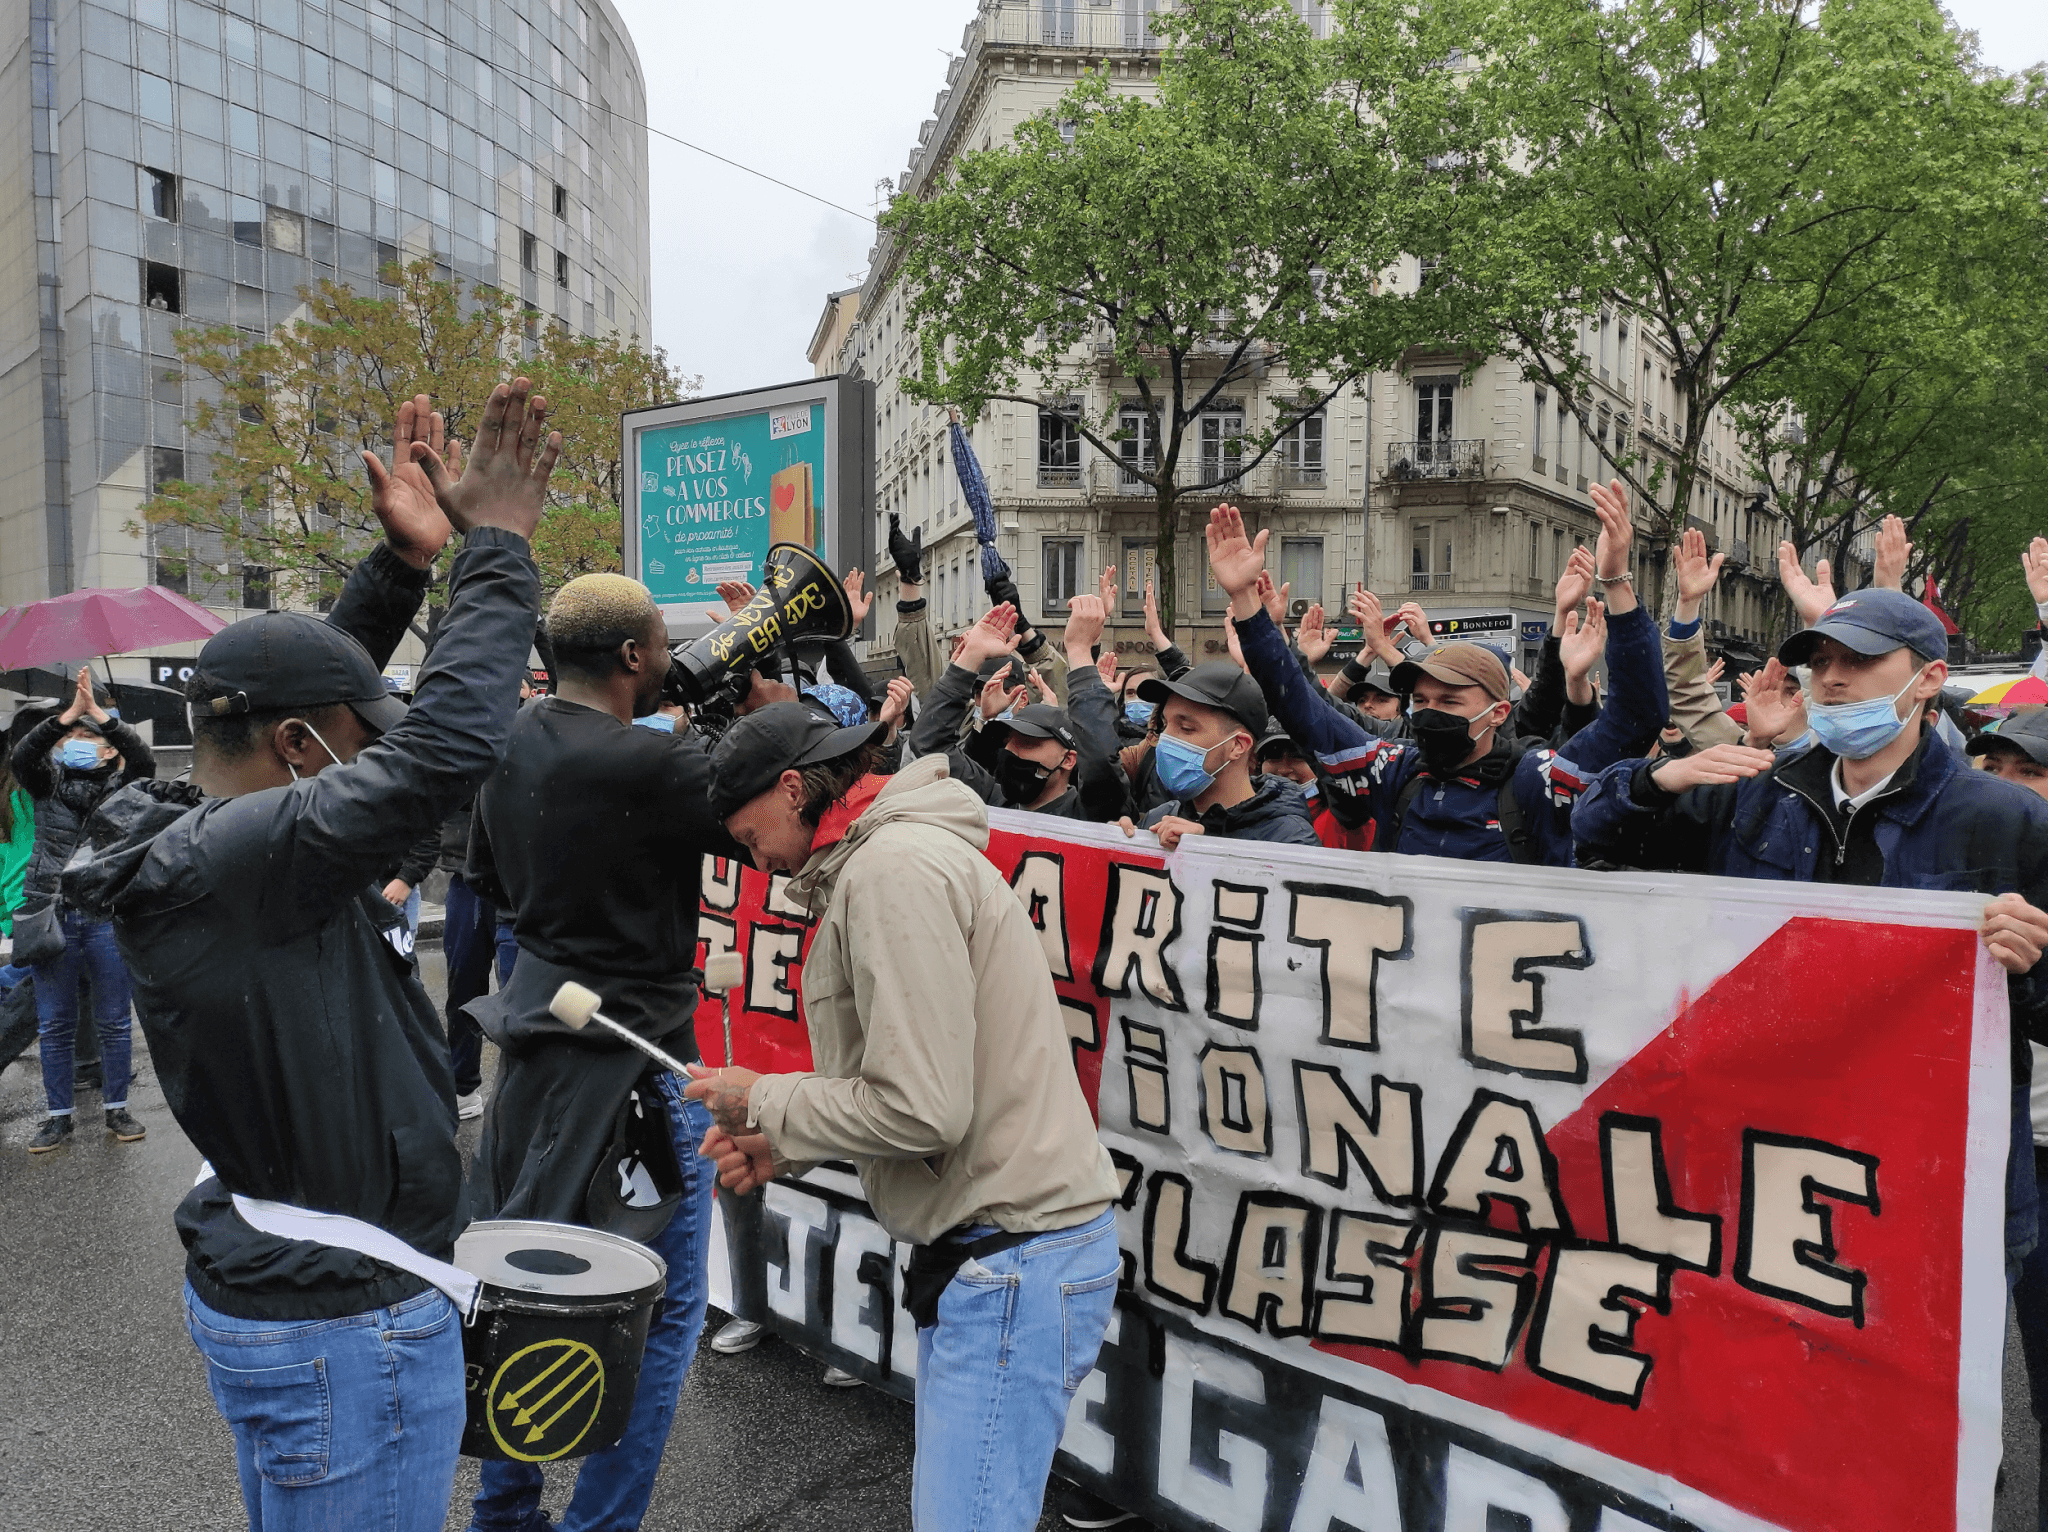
1450,1188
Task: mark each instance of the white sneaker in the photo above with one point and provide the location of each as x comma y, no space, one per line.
737,1336
836,1377
469,1106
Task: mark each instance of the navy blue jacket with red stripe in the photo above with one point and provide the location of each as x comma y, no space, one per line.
1459,816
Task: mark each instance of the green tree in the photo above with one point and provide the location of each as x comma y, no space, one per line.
1759,184
1237,225
281,423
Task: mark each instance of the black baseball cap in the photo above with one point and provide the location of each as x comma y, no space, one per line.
289,660
782,736
1276,739
1380,679
2026,731
1218,684
1039,721
1871,621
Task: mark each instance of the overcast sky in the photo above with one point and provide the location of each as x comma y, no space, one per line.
828,96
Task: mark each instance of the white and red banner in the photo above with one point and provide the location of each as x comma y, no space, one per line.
1607,1201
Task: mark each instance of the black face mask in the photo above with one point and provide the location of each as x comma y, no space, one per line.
1021,780
1445,739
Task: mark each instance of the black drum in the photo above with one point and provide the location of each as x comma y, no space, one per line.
552,1360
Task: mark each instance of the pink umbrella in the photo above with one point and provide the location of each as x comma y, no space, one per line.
93,622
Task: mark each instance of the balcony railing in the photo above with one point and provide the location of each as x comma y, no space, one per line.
1436,460
1120,26
1059,478
1298,475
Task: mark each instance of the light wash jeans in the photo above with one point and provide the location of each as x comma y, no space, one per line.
996,1373
349,1422
89,952
614,1486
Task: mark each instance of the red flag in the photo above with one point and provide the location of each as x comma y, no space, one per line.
1931,599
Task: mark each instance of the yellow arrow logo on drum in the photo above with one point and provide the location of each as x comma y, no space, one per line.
533,1379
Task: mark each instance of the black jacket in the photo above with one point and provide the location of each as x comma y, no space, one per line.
66,799
1098,791
295,1046
592,836
1276,811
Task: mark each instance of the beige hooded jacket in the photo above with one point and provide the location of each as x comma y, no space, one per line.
942,1063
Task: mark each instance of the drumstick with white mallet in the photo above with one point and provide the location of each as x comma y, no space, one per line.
576,1006
724,973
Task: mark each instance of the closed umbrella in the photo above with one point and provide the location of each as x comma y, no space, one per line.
95,622
975,488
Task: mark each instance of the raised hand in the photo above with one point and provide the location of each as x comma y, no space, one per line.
1230,640
505,482
735,594
1716,763
1893,553
1152,629
1775,706
402,497
1085,618
1106,668
1273,599
1106,587
1314,637
1715,670
896,705
1695,571
1237,559
1580,645
1575,584
83,704
1043,687
1810,597
1416,620
999,697
861,600
906,553
1610,553
995,634
2034,560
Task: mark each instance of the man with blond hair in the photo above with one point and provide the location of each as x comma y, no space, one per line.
592,835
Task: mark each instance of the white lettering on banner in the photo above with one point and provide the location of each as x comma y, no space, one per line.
1385,1127
803,1215
1235,1499
722,882
1350,1473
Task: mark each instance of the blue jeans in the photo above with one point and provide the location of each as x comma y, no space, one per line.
350,1422
508,951
89,950
615,1485
467,940
996,1373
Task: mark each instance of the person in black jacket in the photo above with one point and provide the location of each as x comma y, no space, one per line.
592,835
292,1039
1211,719
1043,759
70,764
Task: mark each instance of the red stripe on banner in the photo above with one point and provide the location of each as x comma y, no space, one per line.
1851,1033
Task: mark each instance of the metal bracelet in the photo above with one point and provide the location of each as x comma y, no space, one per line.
1620,579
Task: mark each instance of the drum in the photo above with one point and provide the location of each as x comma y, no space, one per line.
552,1359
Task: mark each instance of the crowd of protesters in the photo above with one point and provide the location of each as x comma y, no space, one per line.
572,814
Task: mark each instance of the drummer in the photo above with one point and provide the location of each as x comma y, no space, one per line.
591,835
944,1073
293,1042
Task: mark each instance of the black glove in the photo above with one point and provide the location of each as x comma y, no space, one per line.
906,553
1004,588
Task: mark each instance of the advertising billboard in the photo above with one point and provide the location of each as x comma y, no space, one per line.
712,483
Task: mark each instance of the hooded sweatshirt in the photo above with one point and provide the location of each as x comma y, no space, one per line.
942,1066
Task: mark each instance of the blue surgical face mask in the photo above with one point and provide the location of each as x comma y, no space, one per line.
1858,730
661,723
79,754
1139,713
1183,770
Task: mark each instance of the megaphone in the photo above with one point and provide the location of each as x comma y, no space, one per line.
799,598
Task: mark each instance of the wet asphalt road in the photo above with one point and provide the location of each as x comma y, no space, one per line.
105,1423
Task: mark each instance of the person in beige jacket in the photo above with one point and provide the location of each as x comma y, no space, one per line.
943,1071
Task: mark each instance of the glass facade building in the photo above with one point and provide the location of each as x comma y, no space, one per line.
184,161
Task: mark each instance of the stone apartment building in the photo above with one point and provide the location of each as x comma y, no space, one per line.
1465,494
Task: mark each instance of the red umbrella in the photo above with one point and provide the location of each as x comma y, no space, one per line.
93,622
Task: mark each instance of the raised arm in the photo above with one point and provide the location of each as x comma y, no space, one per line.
1637,704
1105,793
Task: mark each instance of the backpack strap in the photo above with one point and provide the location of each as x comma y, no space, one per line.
1521,845
1406,797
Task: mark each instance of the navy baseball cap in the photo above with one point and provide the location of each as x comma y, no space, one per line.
282,660
1218,684
2026,731
1872,621
783,736
1039,721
